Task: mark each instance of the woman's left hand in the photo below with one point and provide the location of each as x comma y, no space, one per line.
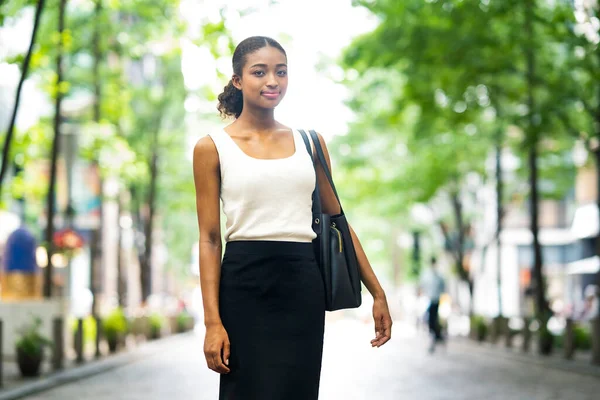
383,322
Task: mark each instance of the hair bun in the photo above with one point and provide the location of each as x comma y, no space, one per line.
231,101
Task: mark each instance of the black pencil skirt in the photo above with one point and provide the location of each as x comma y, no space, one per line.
272,305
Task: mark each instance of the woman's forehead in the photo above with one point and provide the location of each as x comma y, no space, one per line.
266,55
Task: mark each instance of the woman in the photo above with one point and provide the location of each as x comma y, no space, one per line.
264,305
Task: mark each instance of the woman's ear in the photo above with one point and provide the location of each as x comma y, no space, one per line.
237,82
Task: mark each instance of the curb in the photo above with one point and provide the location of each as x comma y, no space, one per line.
554,362
90,369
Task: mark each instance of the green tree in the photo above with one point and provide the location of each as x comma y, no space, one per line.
467,64
578,107
6,159
122,68
431,120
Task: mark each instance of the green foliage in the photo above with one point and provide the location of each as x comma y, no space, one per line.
89,328
439,84
156,321
115,324
184,320
30,340
124,95
480,326
583,337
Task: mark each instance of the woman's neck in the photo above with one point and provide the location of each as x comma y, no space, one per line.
257,120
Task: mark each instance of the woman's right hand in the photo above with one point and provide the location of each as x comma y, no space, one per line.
217,348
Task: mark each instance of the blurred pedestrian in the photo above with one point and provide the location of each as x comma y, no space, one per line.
432,285
264,303
591,306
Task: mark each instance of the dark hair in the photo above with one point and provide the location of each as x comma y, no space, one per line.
231,100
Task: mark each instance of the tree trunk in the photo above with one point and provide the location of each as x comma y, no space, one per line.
138,221
459,247
97,58
121,294
51,201
595,325
532,142
13,118
499,217
146,270
460,228
596,153
96,256
95,264
541,303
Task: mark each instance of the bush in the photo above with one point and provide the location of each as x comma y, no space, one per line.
89,328
184,321
479,325
559,341
31,342
156,323
583,338
546,340
114,328
114,324
30,348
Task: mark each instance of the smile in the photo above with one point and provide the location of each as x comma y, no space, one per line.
270,95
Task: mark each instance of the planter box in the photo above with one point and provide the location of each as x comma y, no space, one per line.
18,313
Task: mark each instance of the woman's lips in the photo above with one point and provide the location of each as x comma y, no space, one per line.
270,95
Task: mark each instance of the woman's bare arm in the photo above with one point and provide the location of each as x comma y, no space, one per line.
332,207
207,181
383,322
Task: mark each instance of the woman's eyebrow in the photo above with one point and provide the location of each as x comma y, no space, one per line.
265,65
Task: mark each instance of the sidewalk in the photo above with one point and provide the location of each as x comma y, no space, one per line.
579,365
352,370
16,387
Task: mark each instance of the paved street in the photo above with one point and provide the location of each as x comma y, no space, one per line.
352,370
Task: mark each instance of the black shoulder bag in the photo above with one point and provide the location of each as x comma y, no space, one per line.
333,245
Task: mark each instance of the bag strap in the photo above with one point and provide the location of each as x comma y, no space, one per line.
323,163
316,195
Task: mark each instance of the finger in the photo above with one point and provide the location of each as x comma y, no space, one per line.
219,366
378,327
380,334
209,361
213,361
386,338
387,334
226,353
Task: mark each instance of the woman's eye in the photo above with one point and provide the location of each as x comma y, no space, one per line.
259,73
282,73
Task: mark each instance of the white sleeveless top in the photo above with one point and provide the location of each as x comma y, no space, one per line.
266,199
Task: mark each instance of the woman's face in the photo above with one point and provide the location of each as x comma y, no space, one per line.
264,78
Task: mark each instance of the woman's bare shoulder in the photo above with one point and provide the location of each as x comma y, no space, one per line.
205,151
205,146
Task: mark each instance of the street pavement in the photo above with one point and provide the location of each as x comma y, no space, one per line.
352,370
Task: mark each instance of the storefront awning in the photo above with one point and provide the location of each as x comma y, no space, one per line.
589,265
585,221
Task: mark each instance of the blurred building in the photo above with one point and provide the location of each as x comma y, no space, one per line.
585,269
563,249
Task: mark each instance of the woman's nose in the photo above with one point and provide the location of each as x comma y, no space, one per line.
272,82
